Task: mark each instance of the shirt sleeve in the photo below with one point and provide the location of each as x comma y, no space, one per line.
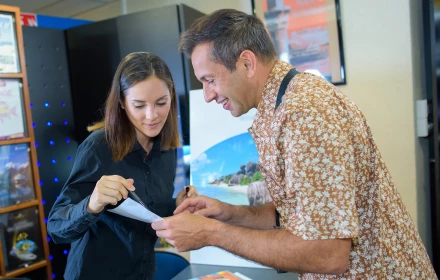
69,219
319,173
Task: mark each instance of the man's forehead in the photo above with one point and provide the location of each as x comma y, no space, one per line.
200,54
201,61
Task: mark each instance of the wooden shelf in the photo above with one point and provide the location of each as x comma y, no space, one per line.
16,207
11,76
15,141
15,11
30,268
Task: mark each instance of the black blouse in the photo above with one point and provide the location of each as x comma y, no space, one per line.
107,245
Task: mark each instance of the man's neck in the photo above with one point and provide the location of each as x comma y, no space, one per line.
262,77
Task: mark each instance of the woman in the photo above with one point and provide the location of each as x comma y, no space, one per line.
132,149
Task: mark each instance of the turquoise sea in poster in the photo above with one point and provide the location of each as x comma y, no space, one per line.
223,159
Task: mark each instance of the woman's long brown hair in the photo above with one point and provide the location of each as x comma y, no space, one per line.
120,132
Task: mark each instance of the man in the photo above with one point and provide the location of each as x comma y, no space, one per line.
341,216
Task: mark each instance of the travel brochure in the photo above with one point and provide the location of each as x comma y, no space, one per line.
8,45
21,240
11,109
16,184
133,209
223,275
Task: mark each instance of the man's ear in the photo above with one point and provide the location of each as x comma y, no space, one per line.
249,61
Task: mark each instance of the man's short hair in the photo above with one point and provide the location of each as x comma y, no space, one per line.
231,32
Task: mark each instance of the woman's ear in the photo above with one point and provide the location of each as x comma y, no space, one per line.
122,105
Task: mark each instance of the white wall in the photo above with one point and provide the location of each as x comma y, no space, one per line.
383,67
377,47
380,70
383,70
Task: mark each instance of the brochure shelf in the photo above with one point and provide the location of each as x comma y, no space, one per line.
23,234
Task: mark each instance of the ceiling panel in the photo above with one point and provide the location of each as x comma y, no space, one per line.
67,8
29,6
60,8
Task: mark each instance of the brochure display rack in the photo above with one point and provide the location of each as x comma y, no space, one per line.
23,246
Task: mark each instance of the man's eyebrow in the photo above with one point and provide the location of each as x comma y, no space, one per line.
205,77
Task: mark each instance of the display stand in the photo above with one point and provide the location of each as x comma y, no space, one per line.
23,246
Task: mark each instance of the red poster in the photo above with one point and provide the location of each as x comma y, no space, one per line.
29,19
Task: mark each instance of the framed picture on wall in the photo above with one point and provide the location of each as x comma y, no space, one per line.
306,34
9,62
11,109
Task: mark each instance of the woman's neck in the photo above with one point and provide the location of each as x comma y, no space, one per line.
145,141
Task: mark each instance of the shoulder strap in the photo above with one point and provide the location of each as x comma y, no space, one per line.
284,84
281,91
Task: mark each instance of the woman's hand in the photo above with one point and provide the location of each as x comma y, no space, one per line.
109,190
187,192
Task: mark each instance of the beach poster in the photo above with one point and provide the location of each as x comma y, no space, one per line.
224,165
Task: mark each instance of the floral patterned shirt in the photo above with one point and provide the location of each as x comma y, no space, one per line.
328,180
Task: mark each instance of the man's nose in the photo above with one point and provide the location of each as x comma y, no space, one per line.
208,93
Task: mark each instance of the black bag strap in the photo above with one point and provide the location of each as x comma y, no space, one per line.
284,84
281,91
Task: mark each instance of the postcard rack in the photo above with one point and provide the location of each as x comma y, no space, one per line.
24,251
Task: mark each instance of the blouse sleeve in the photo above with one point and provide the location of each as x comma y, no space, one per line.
69,219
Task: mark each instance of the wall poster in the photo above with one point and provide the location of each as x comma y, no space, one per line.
307,34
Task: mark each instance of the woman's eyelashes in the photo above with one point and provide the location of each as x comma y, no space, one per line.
140,106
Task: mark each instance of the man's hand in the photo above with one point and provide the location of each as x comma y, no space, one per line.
207,207
187,192
289,252
186,231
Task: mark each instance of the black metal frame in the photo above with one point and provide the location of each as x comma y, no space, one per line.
432,92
